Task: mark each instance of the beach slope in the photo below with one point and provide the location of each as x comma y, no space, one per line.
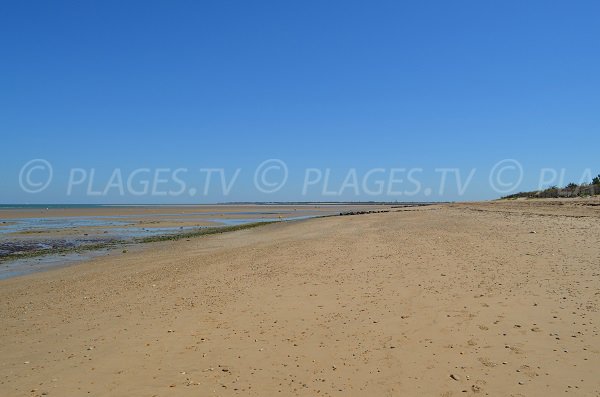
496,299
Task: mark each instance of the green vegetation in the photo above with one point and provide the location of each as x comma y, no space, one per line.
571,190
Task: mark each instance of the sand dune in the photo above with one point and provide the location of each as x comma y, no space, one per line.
498,299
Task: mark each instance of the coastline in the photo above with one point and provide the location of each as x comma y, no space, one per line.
111,211
459,299
49,233
137,241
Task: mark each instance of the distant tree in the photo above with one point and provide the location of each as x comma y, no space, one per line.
572,185
596,180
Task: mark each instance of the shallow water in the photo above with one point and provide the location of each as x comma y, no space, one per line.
20,225
20,267
33,224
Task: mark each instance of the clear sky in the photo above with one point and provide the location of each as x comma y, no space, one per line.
336,84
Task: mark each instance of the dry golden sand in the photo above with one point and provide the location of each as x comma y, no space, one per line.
438,301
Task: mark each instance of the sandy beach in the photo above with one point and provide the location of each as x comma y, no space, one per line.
490,299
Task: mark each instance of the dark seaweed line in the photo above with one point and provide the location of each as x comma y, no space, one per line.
201,232
56,251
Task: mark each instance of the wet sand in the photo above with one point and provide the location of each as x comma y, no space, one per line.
497,299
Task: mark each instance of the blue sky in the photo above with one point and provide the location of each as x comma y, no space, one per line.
339,85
